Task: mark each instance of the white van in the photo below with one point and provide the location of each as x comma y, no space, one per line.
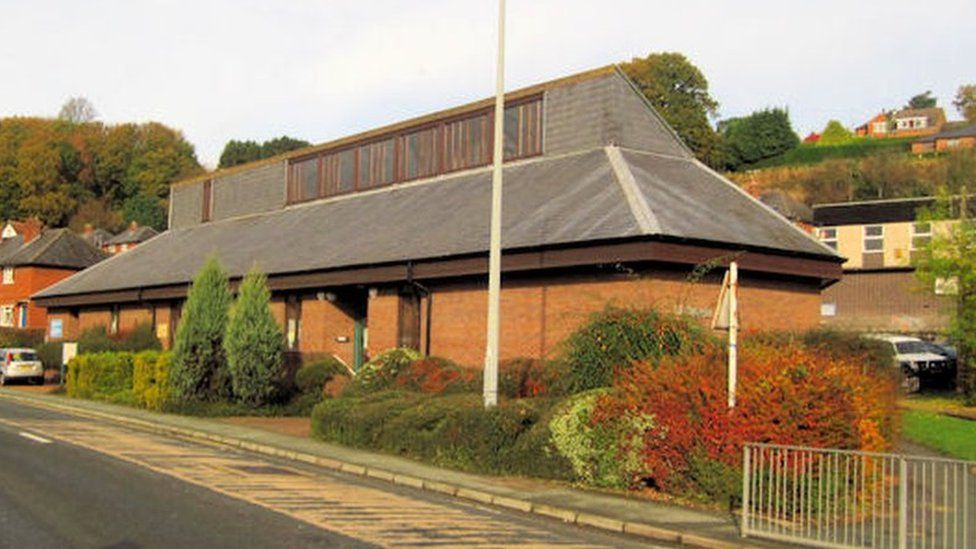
20,364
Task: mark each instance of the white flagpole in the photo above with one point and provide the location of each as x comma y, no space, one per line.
733,329
494,250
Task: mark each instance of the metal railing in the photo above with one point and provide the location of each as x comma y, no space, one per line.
841,498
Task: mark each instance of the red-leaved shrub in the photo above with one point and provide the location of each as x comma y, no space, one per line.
436,375
786,395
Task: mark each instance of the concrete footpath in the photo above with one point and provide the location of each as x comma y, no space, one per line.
655,521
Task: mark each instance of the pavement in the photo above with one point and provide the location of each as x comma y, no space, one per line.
616,514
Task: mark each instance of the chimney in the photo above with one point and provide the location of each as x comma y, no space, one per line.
133,225
88,230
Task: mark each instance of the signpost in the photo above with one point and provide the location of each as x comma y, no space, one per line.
727,318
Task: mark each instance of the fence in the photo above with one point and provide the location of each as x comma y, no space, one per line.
838,498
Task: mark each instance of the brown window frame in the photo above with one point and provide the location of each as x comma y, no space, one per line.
207,207
294,187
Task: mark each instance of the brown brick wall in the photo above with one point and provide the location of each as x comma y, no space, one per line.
91,318
382,321
69,324
891,301
132,316
539,314
323,322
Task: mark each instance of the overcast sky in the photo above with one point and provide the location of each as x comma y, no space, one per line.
318,70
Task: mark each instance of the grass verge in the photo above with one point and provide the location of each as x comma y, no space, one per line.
951,436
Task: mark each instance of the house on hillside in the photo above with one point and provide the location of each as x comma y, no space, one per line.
30,262
879,290
875,127
952,137
912,122
128,239
903,123
380,239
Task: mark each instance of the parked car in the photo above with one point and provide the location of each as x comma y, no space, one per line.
20,364
919,362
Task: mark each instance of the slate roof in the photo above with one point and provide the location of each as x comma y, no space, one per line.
9,246
953,132
130,236
933,114
591,196
787,206
59,248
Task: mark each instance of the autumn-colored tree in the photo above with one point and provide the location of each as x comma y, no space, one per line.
49,168
98,213
679,92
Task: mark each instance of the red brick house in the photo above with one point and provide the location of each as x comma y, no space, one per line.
128,239
876,127
380,239
30,261
949,139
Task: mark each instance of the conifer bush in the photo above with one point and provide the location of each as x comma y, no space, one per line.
254,342
199,369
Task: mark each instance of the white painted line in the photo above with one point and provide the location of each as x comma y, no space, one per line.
34,437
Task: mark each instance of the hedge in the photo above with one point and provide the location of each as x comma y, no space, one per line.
128,378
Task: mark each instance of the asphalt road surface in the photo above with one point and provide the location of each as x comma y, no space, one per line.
69,481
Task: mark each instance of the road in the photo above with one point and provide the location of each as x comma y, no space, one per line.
70,481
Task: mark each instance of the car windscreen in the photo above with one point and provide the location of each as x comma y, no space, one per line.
22,356
910,347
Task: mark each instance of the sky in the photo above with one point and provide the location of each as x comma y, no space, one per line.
319,70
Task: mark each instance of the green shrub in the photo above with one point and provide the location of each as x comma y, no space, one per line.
312,377
19,337
591,450
95,340
449,430
50,354
100,376
253,343
379,373
199,369
615,338
150,379
535,454
141,338
98,340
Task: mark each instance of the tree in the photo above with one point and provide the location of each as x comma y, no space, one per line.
199,369
98,213
835,134
77,110
679,92
921,101
146,210
254,342
762,134
241,152
949,260
965,102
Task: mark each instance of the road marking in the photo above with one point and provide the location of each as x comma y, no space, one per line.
326,501
34,437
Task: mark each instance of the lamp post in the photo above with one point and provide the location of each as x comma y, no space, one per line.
495,246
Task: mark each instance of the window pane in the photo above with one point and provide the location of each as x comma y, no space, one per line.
922,228
873,230
523,130
874,244
305,179
466,143
831,244
828,233
376,164
347,170
420,154
919,242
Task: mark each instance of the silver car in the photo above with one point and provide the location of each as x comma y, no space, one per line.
20,364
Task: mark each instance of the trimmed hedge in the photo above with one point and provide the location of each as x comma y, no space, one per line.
98,340
19,337
100,376
150,379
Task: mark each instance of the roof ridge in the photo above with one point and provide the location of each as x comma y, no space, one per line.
57,234
635,199
401,124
